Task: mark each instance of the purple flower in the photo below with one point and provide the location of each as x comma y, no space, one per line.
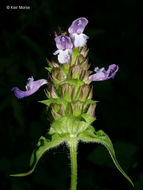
63,42
76,32
31,87
64,45
78,26
102,74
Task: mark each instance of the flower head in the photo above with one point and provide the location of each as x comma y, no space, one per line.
102,74
31,87
76,32
64,45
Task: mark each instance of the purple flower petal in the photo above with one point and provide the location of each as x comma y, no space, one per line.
63,42
31,87
102,74
79,40
78,26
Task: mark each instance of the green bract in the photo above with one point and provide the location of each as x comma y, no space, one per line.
71,110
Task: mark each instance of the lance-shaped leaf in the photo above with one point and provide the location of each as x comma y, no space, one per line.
102,138
42,146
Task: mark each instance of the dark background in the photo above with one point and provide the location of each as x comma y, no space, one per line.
26,39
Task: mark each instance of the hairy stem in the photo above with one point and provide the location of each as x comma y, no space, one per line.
73,158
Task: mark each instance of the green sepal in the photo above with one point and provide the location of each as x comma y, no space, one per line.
84,51
67,92
43,145
102,138
76,84
84,65
75,72
51,92
75,54
87,104
57,110
54,100
65,68
57,107
68,125
58,75
76,107
51,65
86,78
84,92
89,119
49,69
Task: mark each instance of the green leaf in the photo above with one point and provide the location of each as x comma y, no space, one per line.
75,82
89,119
101,137
42,146
49,69
75,54
53,100
68,125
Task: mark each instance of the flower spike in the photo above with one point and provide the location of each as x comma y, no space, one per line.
31,87
102,74
64,45
76,32
69,104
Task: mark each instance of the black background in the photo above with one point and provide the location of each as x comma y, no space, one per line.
26,39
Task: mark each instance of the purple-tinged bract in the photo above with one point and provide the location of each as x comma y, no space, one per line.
31,87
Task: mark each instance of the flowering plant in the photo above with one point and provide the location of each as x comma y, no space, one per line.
69,99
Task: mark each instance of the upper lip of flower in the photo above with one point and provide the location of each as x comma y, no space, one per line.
63,42
78,25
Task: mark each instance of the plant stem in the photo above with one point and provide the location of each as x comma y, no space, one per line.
73,158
